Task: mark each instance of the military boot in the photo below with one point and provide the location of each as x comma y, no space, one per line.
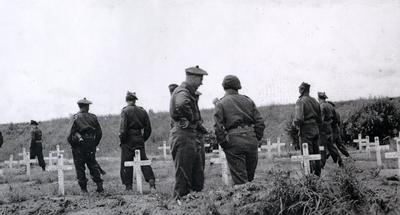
128,187
152,184
100,188
83,187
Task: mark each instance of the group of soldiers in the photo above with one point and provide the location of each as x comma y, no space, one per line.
238,126
319,125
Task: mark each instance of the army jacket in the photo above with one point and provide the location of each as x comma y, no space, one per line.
85,123
36,137
307,111
134,118
184,109
234,110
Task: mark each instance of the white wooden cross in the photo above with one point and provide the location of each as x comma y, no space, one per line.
60,172
278,145
51,158
306,158
224,165
269,148
395,155
58,151
137,163
164,148
361,142
11,161
27,161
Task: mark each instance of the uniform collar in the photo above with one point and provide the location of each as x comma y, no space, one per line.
191,89
231,92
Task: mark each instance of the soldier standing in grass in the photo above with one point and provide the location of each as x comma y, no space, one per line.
84,137
326,133
238,128
36,149
336,129
135,130
187,134
307,119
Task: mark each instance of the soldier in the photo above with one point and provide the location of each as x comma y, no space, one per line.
187,134
307,119
36,149
238,128
326,132
336,128
84,137
135,130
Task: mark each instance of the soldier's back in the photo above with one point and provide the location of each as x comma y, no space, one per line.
136,116
85,119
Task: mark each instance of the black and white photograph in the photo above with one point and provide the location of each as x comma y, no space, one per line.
200,107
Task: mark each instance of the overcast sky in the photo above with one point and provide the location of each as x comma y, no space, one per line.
54,52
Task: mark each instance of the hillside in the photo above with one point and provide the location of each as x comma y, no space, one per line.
55,131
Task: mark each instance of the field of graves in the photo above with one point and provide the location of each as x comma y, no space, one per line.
363,186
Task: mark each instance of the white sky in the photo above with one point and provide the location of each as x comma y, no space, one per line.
54,52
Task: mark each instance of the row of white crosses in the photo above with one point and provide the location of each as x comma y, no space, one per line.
270,146
371,146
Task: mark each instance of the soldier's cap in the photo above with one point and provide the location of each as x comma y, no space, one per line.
196,70
231,82
322,95
33,122
305,85
172,87
131,96
84,101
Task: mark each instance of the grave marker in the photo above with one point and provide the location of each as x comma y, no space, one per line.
11,161
27,161
51,158
278,145
306,158
268,147
395,155
137,163
164,148
224,165
60,172
361,142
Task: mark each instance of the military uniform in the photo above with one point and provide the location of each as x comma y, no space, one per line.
186,138
308,119
238,128
337,137
135,130
84,137
326,132
36,149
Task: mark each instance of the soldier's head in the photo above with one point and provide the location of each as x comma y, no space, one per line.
304,88
172,87
194,76
34,123
131,97
84,104
322,96
231,82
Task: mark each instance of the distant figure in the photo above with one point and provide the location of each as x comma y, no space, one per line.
84,137
36,149
1,139
187,134
238,128
326,133
172,87
307,119
337,136
135,130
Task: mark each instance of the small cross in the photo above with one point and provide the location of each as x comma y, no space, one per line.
361,142
11,161
137,163
269,148
306,158
222,160
278,145
27,161
164,148
51,158
395,155
60,172
58,151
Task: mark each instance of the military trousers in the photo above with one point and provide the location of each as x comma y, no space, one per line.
309,133
242,156
337,140
128,149
86,156
37,151
187,154
326,140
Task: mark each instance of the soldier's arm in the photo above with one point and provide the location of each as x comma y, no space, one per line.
99,132
324,112
147,127
259,125
219,125
182,107
33,136
123,126
72,137
298,113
